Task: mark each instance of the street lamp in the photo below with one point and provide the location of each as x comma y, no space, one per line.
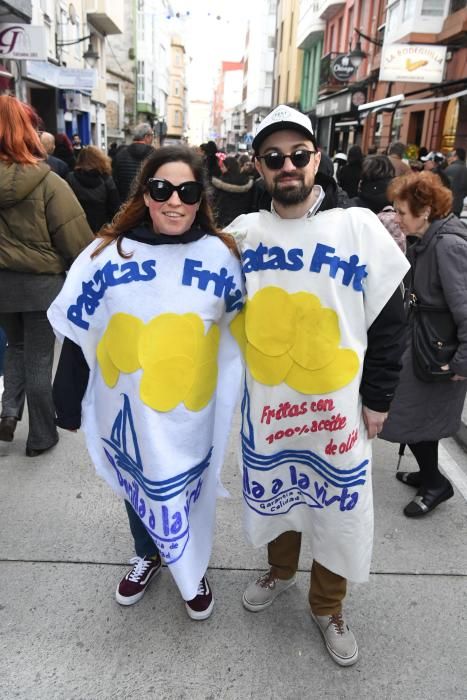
357,55
91,56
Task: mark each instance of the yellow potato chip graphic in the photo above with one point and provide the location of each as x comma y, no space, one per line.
110,373
271,318
164,337
336,375
237,328
197,325
203,387
267,370
165,385
121,341
317,338
304,301
209,345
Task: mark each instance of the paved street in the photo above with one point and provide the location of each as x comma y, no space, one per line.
64,544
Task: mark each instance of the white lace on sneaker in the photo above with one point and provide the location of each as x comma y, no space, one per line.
203,587
139,569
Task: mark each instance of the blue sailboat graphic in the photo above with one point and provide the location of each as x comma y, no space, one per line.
125,454
164,505
267,492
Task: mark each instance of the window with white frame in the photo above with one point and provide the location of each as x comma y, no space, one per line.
433,8
408,9
392,17
140,80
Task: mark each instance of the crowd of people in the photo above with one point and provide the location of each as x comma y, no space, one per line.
331,292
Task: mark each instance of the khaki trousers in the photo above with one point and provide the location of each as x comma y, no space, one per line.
327,589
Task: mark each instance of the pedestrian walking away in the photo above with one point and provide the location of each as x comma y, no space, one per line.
128,160
94,187
42,230
428,408
151,371
56,165
457,173
323,334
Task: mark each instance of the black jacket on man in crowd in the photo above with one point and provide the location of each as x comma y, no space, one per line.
457,174
126,165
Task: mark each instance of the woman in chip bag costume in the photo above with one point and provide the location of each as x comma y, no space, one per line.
151,371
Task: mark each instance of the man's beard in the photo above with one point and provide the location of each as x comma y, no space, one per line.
290,195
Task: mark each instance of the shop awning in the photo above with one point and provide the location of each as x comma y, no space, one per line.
342,126
428,100
388,103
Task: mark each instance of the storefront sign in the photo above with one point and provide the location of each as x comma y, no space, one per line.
334,105
76,79
60,77
342,68
23,42
416,63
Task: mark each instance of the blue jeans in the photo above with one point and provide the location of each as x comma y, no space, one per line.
144,544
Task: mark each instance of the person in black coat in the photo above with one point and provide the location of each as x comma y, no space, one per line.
423,412
56,164
210,161
376,175
64,150
232,192
348,176
94,187
128,160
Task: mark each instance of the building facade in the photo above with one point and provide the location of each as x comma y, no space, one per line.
65,79
388,71
177,96
288,58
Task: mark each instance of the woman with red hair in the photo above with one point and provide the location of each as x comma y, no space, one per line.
430,397
42,230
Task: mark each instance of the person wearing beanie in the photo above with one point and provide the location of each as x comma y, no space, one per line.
322,332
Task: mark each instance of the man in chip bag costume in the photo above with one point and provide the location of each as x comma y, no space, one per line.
322,334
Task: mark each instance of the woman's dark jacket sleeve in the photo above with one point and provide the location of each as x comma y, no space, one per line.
386,344
113,197
70,383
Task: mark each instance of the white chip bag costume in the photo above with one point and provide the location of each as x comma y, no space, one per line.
315,285
164,372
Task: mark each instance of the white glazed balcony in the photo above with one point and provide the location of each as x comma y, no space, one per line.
329,8
310,25
105,15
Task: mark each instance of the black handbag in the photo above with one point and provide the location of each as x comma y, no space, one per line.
434,341
434,331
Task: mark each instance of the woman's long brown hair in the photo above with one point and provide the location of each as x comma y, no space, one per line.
135,213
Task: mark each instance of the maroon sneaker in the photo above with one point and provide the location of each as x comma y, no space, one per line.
200,607
133,586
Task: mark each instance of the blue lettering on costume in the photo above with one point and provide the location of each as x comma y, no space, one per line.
274,258
94,290
352,271
222,284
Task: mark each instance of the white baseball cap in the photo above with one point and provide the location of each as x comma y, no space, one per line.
282,117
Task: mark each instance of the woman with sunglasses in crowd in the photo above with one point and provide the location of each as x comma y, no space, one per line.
150,370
